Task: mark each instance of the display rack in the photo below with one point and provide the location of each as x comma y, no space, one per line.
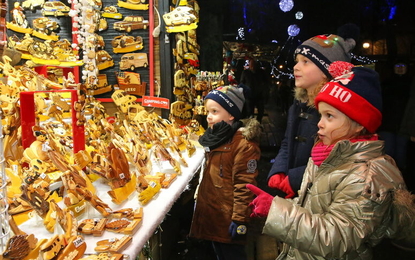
4,206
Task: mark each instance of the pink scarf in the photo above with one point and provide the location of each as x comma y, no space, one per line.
320,151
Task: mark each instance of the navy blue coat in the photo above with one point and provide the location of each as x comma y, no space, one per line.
296,146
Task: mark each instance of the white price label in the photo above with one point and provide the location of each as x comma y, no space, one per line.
78,242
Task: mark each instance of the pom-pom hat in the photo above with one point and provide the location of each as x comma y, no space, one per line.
356,93
230,98
324,49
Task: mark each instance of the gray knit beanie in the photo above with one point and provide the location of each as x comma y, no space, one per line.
327,48
230,98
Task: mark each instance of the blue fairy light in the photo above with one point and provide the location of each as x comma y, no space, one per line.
299,15
293,30
286,5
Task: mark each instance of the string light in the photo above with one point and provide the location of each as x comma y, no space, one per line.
293,30
286,5
276,73
363,59
299,15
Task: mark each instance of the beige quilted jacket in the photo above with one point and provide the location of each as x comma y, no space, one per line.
345,207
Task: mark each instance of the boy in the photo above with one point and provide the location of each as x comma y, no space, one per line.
222,213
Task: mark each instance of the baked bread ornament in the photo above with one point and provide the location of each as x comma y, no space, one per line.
95,201
104,256
74,249
128,213
52,248
113,245
96,227
19,246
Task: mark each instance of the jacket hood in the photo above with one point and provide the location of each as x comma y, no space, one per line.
300,94
304,96
251,129
402,231
404,208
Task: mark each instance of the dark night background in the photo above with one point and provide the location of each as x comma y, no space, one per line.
392,20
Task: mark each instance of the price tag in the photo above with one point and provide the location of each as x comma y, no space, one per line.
78,242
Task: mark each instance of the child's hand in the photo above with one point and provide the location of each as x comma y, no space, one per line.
281,182
261,204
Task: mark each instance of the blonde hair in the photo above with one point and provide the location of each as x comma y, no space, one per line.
304,96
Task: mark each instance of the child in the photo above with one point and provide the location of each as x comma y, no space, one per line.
311,72
222,205
351,193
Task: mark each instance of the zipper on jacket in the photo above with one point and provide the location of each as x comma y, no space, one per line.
220,166
301,200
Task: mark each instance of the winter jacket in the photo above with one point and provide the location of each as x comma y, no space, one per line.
222,194
296,146
345,206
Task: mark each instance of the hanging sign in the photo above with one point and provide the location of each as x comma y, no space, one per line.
149,101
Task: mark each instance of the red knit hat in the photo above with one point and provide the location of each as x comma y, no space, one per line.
356,92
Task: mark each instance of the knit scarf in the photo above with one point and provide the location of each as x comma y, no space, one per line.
219,134
321,151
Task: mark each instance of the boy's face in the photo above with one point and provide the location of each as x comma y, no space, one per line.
216,113
306,73
335,125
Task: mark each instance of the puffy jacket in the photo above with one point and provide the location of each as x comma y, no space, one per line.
296,146
344,208
222,194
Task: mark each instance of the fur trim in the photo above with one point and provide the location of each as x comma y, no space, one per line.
404,204
301,94
252,129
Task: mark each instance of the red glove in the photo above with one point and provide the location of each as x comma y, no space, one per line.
261,204
281,182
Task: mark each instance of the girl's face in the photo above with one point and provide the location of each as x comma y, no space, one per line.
306,73
216,113
334,125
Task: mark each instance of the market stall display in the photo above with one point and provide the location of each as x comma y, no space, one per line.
118,172
83,182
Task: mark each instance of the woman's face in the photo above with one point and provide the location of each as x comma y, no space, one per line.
216,113
306,73
334,125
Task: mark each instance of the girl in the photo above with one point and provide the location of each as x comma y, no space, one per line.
352,194
312,58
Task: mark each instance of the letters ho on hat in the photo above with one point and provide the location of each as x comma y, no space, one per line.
356,93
